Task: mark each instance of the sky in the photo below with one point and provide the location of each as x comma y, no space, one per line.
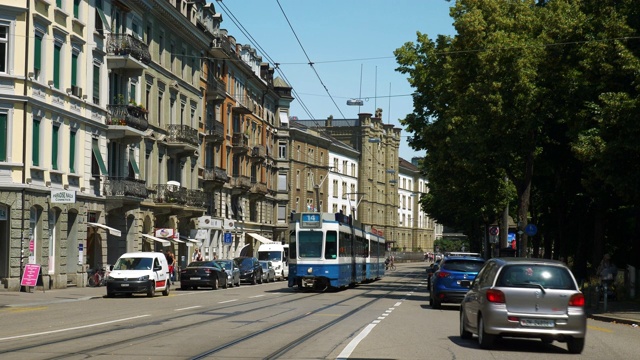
349,42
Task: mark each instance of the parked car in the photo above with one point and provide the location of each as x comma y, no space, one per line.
445,282
268,272
250,269
524,297
203,274
232,270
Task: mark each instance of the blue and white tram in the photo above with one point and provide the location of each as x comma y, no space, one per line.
376,247
329,250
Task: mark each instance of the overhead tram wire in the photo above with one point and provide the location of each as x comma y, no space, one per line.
255,43
309,60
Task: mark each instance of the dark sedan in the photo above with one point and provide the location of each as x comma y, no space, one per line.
203,274
250,269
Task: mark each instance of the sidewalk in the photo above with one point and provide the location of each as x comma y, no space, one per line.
624,312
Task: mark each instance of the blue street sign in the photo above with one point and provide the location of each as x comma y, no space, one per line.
227,239
531,230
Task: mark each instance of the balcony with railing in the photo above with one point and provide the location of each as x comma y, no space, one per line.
126,121
240,142
125,187
169,194
258,153
182,138
258,189
196,198
221,47
240,182
216,89
245,105
215,175
125,51
214,131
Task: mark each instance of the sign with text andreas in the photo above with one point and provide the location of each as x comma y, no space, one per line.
30,276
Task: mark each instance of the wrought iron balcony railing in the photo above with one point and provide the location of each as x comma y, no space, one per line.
125,44
122,187
128,115
216,174
182,134
169,194
215,131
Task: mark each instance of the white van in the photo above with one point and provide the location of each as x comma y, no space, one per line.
139,272
278,254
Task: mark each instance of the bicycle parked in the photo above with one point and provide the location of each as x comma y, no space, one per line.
97,277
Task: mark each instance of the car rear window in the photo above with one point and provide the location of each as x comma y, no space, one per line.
531,275
463,265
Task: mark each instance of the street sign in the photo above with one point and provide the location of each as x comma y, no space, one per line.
227,239
531,230
494,230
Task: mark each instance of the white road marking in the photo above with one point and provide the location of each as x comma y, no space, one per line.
257,296
189,308
352,345
73,328
227,301
397,304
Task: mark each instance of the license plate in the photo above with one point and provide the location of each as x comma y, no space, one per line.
537,323
194,278
124,285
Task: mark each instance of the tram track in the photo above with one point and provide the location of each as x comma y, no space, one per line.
147,336
282,350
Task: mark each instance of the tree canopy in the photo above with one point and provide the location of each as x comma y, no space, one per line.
533,105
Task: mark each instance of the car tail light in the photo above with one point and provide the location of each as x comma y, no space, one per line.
577,300
442,274
208,271
495,296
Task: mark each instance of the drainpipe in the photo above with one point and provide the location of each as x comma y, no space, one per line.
24,135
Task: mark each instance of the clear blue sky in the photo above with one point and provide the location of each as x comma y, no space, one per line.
351,44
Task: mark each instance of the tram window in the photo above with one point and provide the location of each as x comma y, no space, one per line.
310,244
331,246
292,245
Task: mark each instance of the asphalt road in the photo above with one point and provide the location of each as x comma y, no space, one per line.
386,319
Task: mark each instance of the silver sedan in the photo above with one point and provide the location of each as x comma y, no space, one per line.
521,297
232,270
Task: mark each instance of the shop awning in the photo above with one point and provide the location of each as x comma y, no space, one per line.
191,241
260,238
162,241
110,230
176,240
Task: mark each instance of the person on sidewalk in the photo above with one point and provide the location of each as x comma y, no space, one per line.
607,272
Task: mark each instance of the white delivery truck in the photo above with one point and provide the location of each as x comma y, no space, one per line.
278,254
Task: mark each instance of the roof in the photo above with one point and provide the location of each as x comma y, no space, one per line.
278,82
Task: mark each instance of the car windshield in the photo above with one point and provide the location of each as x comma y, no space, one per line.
264,265
203,264
536,275
246,263
462,265
225,264
133,264
270,255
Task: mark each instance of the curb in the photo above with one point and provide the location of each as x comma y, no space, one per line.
614,319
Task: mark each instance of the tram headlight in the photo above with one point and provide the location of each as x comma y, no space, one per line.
310,271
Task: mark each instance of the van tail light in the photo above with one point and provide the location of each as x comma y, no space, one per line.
495,296
442,274
577,300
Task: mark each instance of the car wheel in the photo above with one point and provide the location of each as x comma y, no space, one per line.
260,279
436,303
167,289
151,291
485,340
226,285
238,284
546,339
575,345
254,279
214,286
464,334
110,294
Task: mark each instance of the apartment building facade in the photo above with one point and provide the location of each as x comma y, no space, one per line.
124,123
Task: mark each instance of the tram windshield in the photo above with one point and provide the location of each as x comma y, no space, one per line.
310,244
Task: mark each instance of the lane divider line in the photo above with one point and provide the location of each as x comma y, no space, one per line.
72,328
